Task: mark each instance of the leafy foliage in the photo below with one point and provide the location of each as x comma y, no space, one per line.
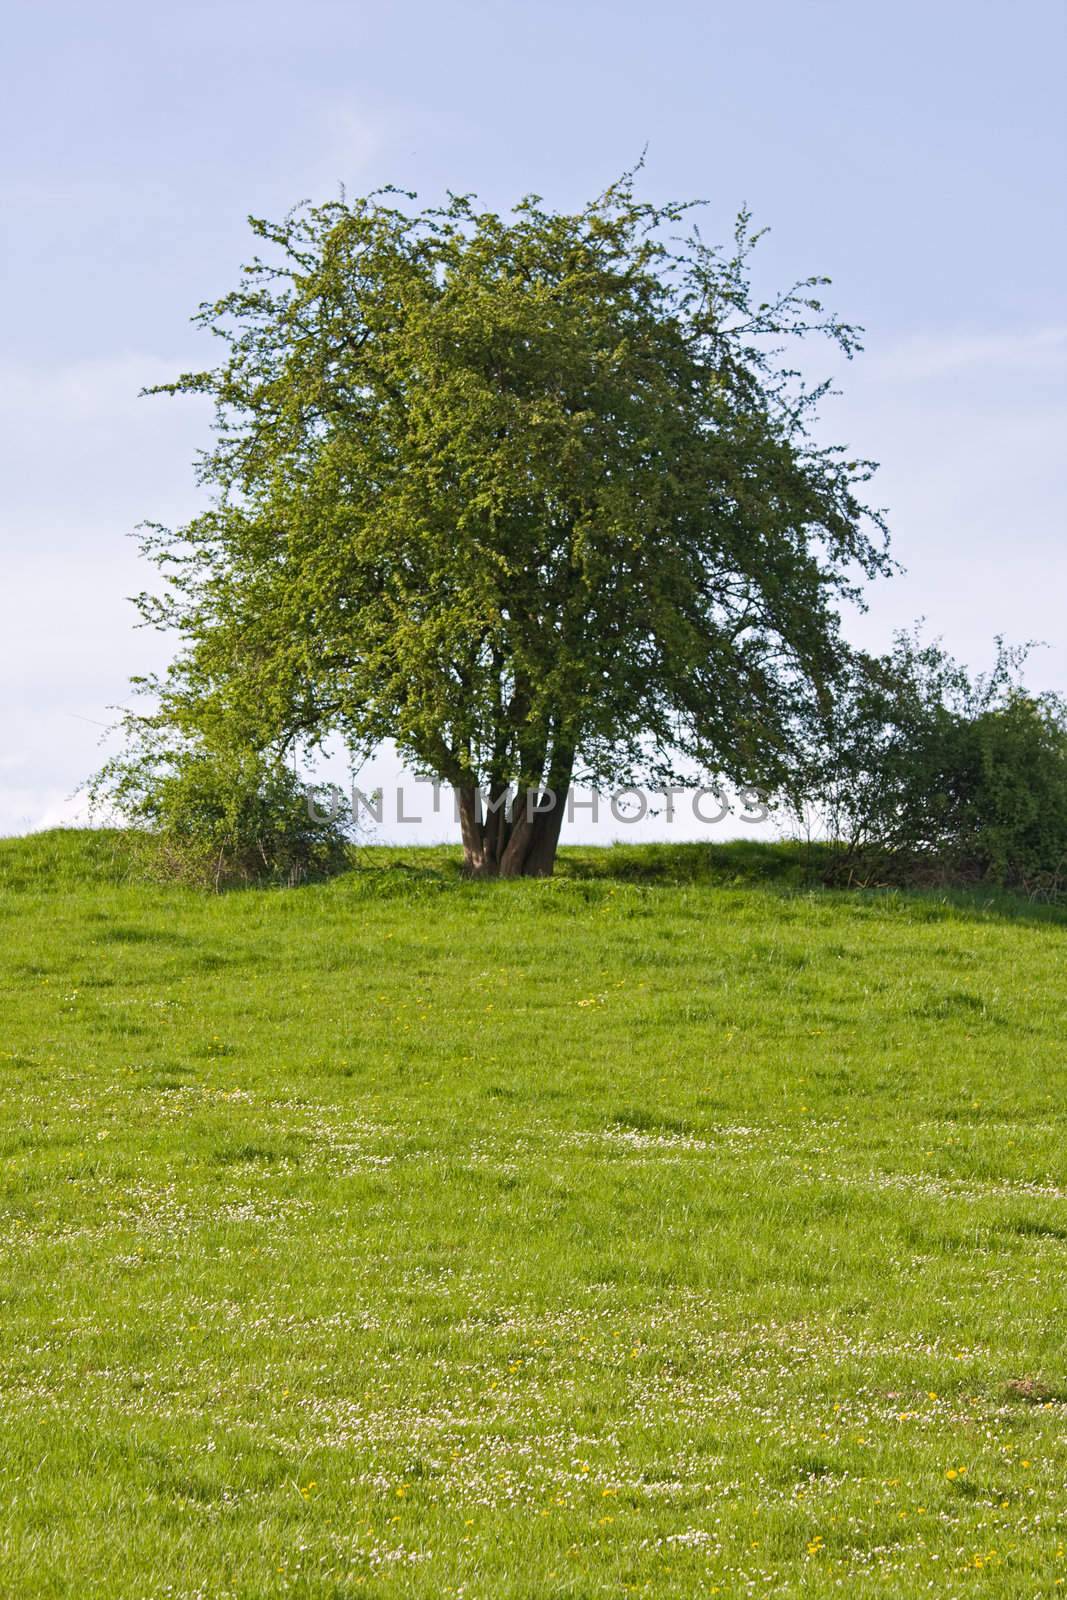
220,817
535,497
927,773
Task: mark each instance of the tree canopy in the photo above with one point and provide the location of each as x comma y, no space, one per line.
535,496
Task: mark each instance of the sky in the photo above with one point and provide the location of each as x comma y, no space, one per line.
914,153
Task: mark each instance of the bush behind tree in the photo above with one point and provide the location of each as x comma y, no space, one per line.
219,816
921,773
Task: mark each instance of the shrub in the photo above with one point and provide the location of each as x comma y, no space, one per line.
923,774
219,817
1012,763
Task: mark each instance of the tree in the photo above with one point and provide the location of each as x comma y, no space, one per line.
535,497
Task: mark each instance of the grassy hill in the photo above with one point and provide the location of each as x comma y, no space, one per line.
668,1228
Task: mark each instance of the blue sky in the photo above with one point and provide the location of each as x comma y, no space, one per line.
914,153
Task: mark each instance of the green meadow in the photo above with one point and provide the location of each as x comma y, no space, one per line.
672,1227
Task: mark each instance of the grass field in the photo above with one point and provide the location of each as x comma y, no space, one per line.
667,1228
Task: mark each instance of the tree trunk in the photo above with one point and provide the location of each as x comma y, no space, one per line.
541,856
520,846
476,859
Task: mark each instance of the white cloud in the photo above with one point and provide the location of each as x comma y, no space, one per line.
927,356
